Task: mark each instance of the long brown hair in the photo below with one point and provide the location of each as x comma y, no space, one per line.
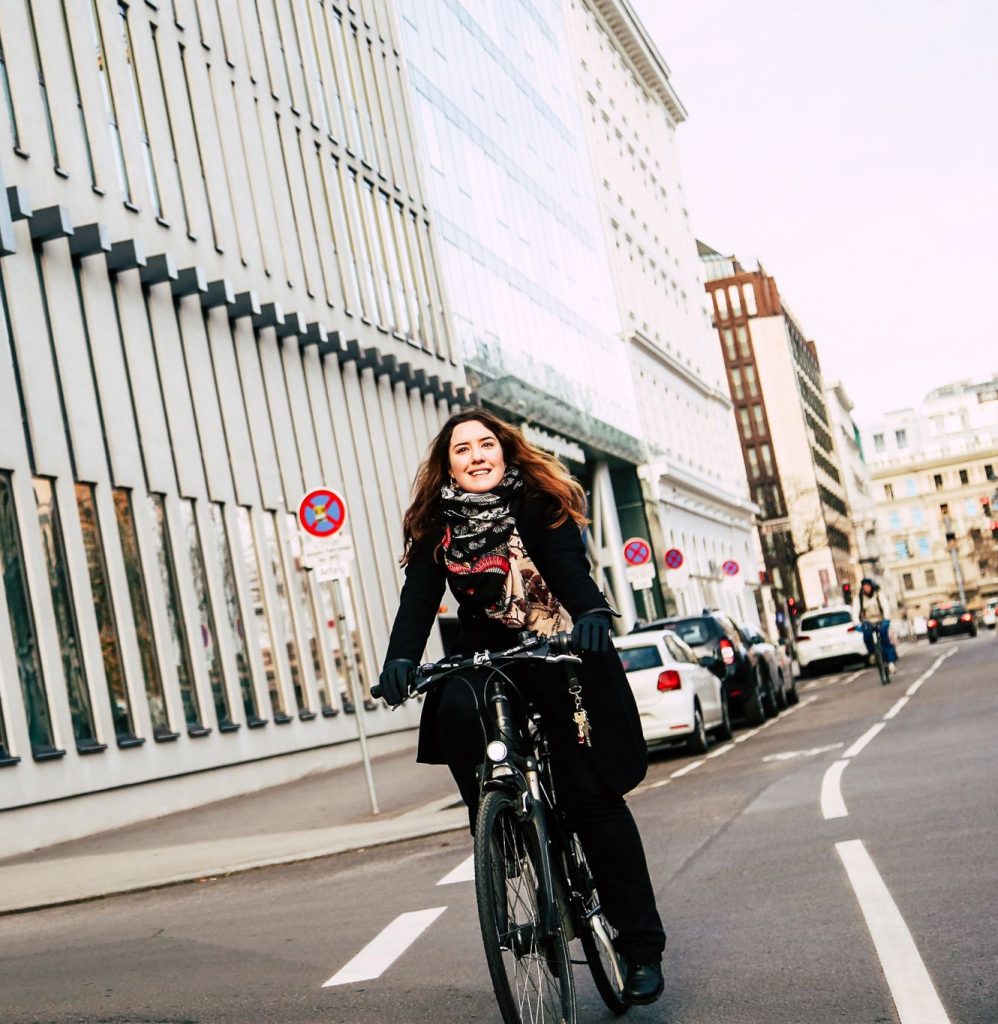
541,472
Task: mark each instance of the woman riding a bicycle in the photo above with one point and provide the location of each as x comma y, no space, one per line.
499,521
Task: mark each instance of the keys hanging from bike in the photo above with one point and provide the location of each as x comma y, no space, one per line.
581,720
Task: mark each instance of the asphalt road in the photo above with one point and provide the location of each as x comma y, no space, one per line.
815,870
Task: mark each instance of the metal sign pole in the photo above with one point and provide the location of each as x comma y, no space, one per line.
353,687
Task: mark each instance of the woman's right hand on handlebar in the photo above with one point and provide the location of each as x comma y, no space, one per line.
396,678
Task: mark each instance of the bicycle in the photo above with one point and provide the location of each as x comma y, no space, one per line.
533,887
878,653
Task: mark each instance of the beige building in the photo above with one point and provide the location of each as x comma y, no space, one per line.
219,290
935,472
786,433
695,494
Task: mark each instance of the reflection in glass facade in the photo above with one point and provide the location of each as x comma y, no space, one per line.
114,672
252,561
312,625
141,618
515,208
234,615
54,547
287,625
22,626
206,619
175,613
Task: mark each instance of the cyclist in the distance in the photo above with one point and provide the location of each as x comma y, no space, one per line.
499,521
874,614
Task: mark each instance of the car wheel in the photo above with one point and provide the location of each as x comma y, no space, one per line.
769,702
697,742
755,713
933,639
724,731
793,696
781,695
973,632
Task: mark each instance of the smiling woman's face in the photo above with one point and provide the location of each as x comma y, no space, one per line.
476,459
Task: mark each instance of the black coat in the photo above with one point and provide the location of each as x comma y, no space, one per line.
618,747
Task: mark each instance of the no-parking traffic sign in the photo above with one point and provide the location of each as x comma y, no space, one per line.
322,513
637,551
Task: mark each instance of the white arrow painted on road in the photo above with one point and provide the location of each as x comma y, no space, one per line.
464,872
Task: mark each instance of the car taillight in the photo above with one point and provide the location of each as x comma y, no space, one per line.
966,617
802,637
853,629
669,680
932,623
727,652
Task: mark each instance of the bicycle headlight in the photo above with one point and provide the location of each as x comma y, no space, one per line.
497,751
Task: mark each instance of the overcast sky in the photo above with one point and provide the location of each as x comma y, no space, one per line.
852,147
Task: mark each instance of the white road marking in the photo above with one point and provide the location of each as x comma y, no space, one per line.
832,804
914,994
718,751
659,784
685,770
384,949
464,872
896,708
913,689
861,743
746,736
789,755
852,675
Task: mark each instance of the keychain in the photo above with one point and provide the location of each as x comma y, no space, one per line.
581,717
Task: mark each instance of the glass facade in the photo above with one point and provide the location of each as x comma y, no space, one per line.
22,627
508,175
287,625
114,671
54,546
141,617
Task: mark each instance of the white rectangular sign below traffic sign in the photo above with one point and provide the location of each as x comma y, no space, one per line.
641,577
329,571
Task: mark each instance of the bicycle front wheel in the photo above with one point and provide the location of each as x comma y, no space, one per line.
531,971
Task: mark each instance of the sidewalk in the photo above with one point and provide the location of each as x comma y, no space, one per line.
282,825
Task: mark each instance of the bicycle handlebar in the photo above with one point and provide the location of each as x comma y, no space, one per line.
532,646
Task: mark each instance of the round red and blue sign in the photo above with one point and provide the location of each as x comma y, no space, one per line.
637,551
730,567
322,513
673,558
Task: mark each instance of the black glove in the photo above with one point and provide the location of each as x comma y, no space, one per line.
592,633
396,677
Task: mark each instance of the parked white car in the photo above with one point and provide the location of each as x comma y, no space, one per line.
989,616
829,635
678,697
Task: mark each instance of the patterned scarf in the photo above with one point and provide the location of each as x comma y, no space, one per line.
487,565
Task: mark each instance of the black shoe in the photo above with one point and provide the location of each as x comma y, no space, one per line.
643,983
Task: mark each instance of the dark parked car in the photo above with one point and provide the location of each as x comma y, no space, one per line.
780,687
950,620
713,635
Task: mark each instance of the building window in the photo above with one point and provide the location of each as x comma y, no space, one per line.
737,388
964,477
889,492
107,626
22,627
767,459
751,381
42,88
741,333
753,461
234,616
171,134
894,518
79,95
735,294
924,548
750,306
140,614
198,150
260,611
722,303
901,550
746,423
901,437
760,423
313,623
67,628
930,577
110,107
9,100
910,486
989,472
206,618
917,517
937,481
878,443
908,580
728,337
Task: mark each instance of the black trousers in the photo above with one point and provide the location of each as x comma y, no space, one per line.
600,817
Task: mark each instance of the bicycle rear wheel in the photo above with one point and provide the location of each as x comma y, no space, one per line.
597,935
531,971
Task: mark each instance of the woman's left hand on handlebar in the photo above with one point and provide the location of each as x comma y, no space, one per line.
396,678
591,634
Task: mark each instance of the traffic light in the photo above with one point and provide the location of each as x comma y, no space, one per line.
986,506
994,529
847,593
792,604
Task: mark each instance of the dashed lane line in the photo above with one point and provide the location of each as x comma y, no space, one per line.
464,872
718,751
861,743
685,770
895,708
912,990
914,688
385,948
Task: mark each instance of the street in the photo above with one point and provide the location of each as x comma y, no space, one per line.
794,888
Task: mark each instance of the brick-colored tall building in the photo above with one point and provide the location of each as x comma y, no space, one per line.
786,433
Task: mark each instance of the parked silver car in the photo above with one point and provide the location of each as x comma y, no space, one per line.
775,671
